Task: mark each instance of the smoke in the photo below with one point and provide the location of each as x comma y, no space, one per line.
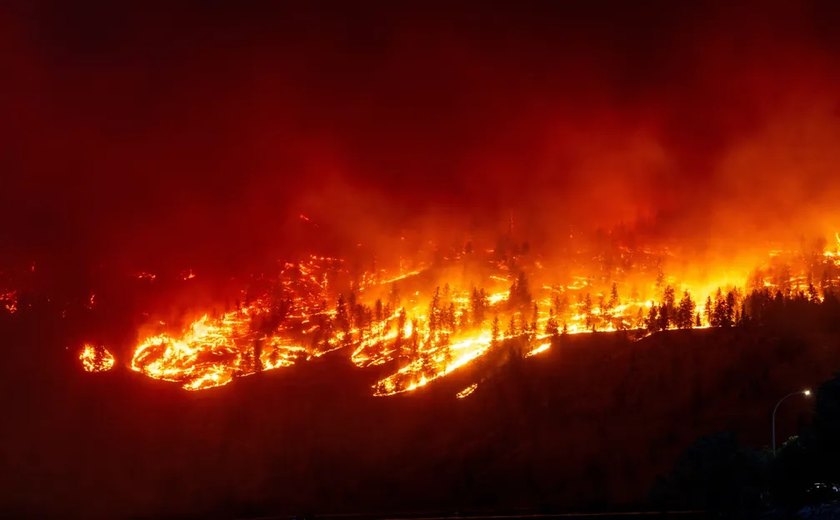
187,136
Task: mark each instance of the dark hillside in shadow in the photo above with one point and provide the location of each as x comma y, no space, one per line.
588,424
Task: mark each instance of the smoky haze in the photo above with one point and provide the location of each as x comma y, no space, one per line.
199,134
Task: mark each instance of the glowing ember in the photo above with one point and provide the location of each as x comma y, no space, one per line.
539,350
466,392
96,358
9,301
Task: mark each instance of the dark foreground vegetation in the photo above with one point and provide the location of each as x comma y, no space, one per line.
595,423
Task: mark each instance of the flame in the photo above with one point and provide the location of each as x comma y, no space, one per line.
401,276
427,334
539,349
466,392
212,352
96,358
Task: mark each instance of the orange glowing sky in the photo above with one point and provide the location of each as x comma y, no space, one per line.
206,134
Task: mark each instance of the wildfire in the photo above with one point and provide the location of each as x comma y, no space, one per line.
424,335
213,351
263,335
96,358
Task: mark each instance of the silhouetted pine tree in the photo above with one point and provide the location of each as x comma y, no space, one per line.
667,311
377,310
685,312
534,316
551,328
520,294
342,318
478,306
587,311
652,323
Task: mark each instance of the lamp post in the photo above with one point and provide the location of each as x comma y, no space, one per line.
806,393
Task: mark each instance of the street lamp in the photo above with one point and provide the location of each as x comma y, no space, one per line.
806,393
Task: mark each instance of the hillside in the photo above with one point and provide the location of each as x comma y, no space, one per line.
590,422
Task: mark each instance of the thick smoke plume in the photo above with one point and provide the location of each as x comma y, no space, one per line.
221,135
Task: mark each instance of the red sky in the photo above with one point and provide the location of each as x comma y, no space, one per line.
201,131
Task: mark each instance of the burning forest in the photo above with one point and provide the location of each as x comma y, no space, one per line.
259,259
470,306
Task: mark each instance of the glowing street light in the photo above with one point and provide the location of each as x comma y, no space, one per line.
806,393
